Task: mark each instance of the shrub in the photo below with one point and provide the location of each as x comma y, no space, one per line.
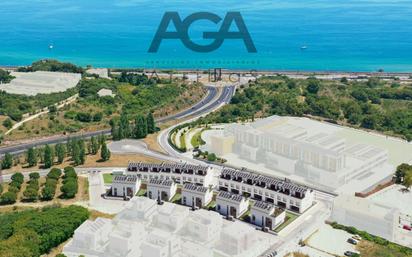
15,184
18,177
31,194
48,192
69,189
14,189
34,175
8,198
54,173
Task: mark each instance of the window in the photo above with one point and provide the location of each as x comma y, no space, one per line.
253,218
218,207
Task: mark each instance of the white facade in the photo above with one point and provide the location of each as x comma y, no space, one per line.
89,239
266,215
204,226
142,209
282,193
237,239
229,204
161,244
363,214
124,238
161,189
313,151
193,195
171,217
125,185
172,231
180,173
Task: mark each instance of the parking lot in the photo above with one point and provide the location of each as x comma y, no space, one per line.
331,241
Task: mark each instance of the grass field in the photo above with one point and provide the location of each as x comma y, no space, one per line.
108,178
290,217
369,249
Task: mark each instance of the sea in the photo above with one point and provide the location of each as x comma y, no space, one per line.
289,35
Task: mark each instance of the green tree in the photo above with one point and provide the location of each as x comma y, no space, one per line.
140,130
76,154
32,157
114,129
105,152
69,188
34,175
313,85
54,173
8,198
31,194
48,192
82,147
102,138
94,145
17,177
48,157
60,152
5,76
401,171
8,123
124,127
7,162
151,125
407,181
211,157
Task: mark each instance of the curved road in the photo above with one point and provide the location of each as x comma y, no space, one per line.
200,107
224,98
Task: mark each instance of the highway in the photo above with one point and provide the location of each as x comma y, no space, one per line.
224,98
213,100
201,107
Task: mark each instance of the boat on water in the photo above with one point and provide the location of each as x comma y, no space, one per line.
303,47
51,46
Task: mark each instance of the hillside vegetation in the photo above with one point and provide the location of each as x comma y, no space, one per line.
36,232
133,94
384,106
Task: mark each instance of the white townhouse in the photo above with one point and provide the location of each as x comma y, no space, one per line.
163,189
229,204
266,215
283,193
203,226
161,243
180,173
89,238
170,217
196,196
125,185
141,209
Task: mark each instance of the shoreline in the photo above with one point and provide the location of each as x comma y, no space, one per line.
253,71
